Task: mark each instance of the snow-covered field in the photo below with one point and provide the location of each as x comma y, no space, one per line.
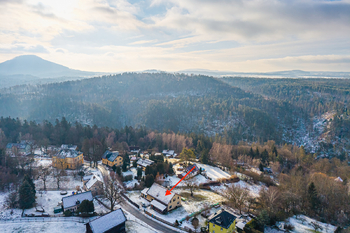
305,224
214,173
7,213
253,188
68,182
198,179
34,227
200,200
48,201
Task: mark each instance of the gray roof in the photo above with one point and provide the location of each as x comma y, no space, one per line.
222,218
92,181
158,192
18,145
144,191
111,156
144,162
158,205
68,153
72,200
107,221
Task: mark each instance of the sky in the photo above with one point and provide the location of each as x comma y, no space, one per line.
174,35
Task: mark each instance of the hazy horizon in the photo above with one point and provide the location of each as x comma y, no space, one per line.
232,36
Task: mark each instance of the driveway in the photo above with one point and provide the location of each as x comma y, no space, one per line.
158,226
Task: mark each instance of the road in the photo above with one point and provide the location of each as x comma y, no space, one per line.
127,207
158,226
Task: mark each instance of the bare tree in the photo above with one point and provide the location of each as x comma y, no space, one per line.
191,185
237,196
44,173
59,174
11,200
111,188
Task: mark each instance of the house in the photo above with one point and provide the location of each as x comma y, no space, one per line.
128,175
169,153
14,149
68,159
95,185
112,158
222,221
109,223
134,149
69,146
144,163
159,202
72,202
189,168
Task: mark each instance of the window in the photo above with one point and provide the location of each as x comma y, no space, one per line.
221,228
170,207
178,202
177,197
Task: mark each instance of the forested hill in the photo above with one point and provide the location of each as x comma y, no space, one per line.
326,101
160,101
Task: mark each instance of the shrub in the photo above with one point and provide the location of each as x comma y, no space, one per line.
67,213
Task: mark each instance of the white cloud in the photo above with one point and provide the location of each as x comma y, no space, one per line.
240,35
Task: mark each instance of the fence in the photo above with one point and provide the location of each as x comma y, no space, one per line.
198,212
127,198
159,219
48,219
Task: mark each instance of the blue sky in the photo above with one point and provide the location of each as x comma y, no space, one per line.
173,35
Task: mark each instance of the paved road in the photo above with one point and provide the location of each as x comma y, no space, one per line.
158,226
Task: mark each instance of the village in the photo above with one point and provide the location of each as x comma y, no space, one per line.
126,189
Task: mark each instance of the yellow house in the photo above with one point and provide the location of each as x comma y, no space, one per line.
67,159
161,203
112,158
222,222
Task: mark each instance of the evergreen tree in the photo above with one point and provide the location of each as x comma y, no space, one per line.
257,153
149,180
313,197
251,153
30,181
139,173
86,206
205,156
26,195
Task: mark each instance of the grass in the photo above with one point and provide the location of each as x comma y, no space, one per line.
195,197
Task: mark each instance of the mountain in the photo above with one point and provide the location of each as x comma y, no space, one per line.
277,74
31,69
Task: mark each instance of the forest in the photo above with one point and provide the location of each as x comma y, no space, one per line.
306,185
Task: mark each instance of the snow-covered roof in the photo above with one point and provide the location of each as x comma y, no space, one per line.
92,181
18,145
73,200
144,191
169,152
158,192
240,225
158,205
111,156
107,221
70,147
144,162
127,173
338,179
68,153
87,177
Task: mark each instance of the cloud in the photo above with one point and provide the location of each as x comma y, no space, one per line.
23,48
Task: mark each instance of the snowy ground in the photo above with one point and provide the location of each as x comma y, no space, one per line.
134,225
45,162
253,188
7,213
198,179
192,204
68,182
299,226
34,227
48,200
214,173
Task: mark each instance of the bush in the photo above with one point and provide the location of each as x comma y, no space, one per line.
289,227
67,213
